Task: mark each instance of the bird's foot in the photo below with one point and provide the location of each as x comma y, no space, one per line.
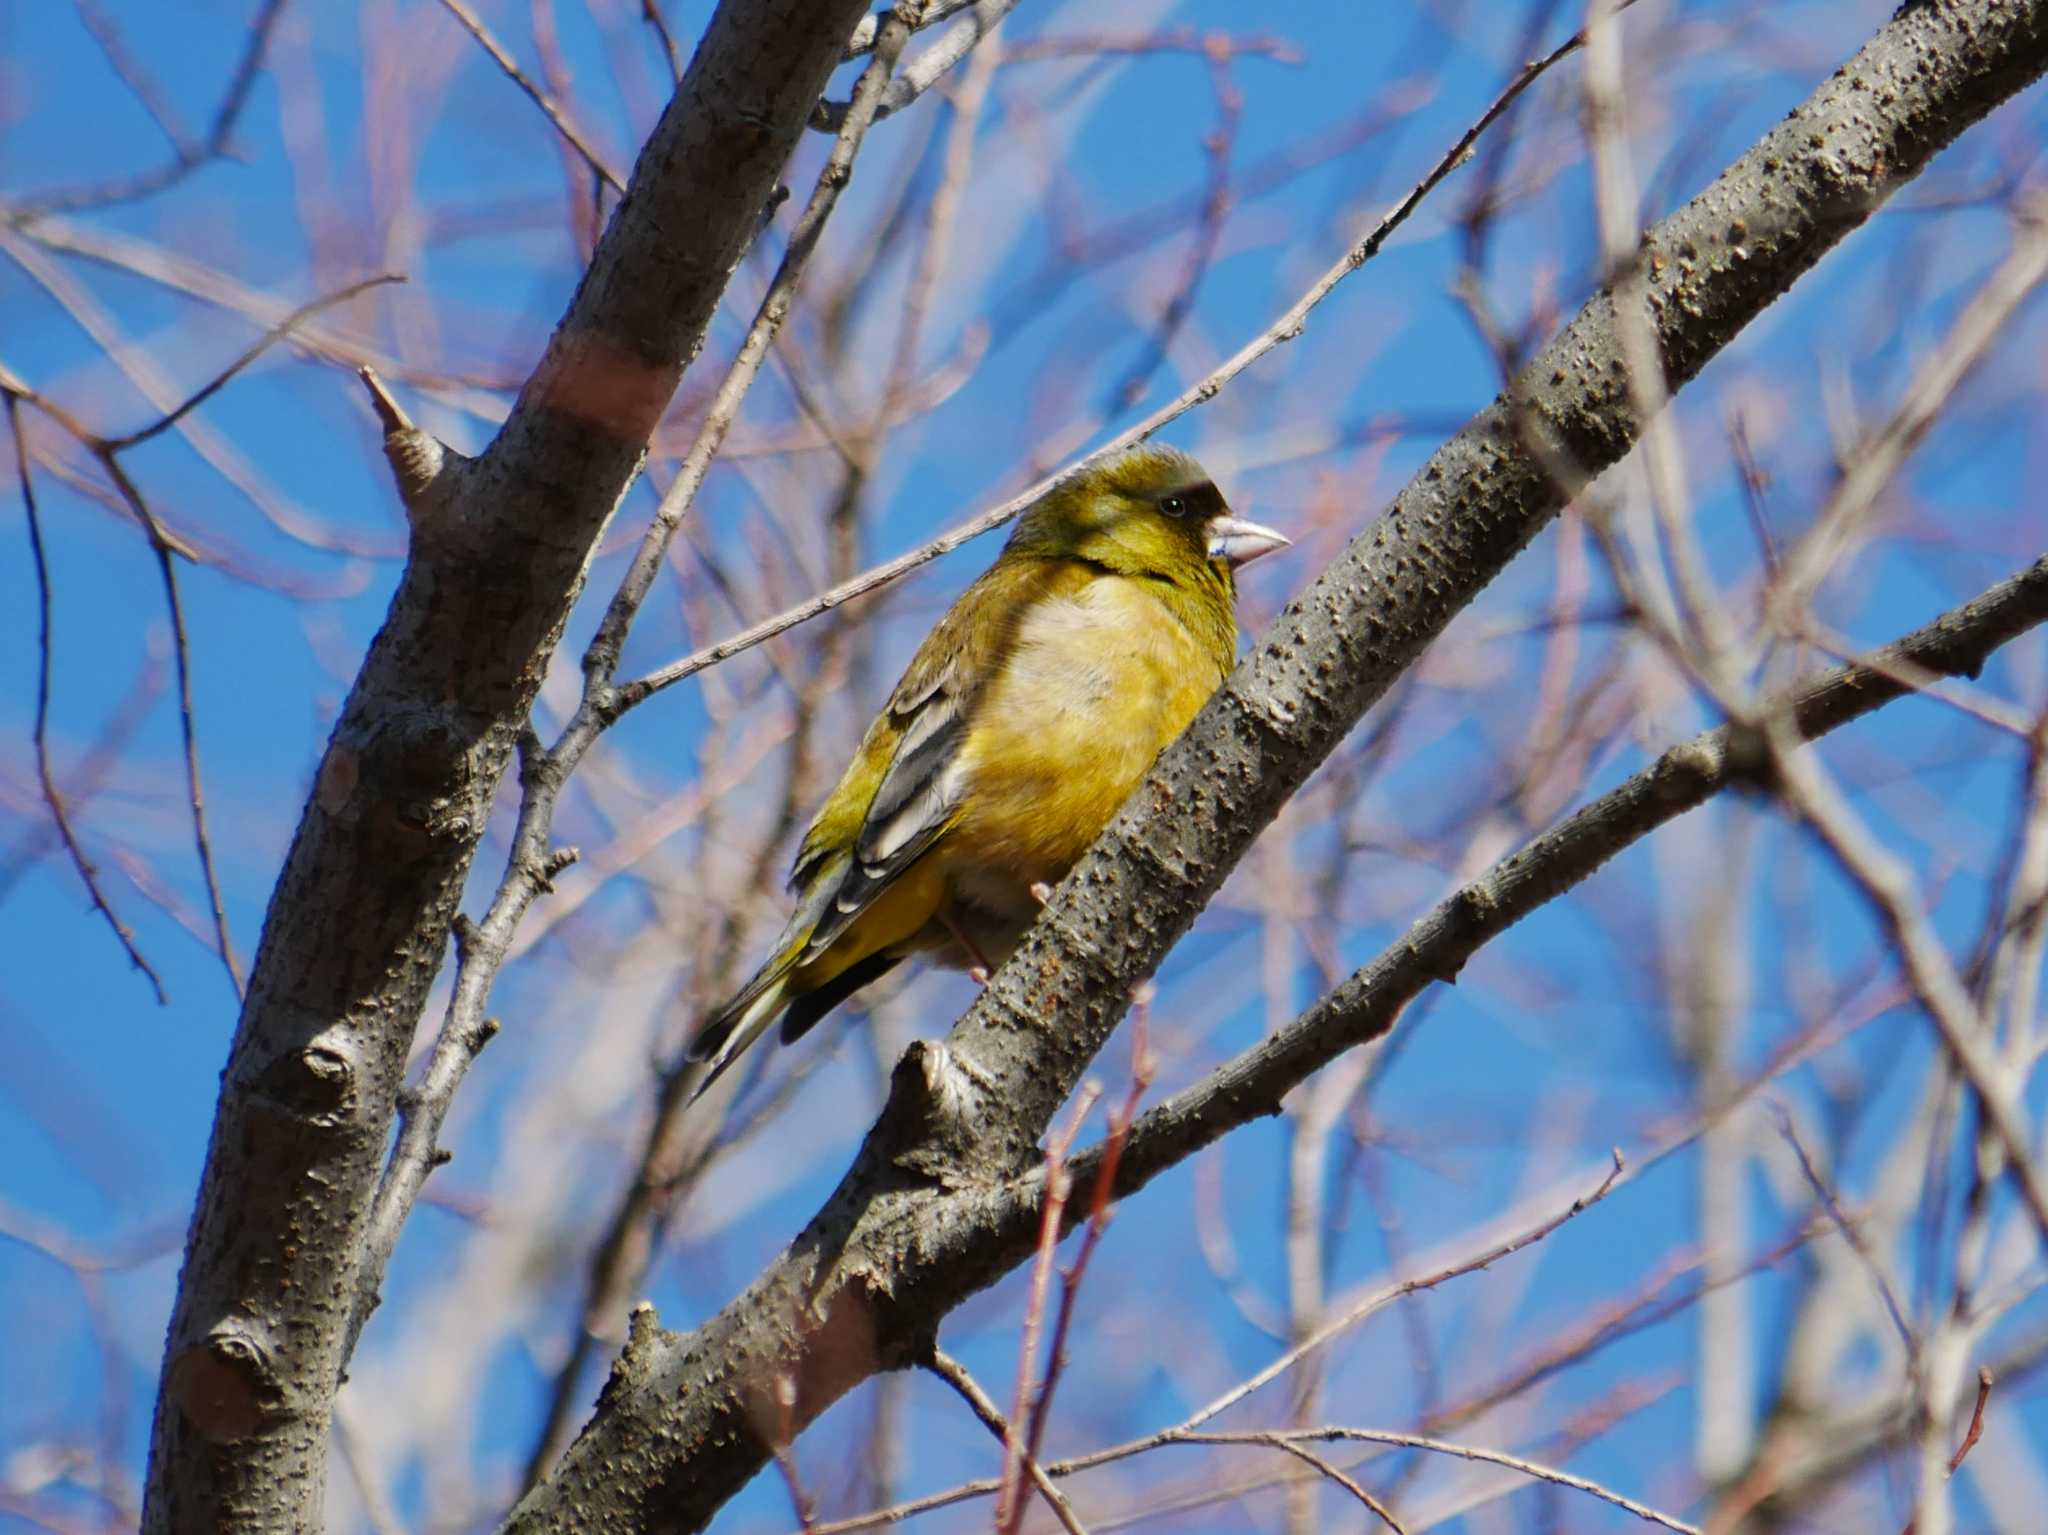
980,968
1041,892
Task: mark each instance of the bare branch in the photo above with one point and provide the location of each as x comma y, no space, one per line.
51,795
256,349
552,110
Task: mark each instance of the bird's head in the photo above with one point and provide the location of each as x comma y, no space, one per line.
1150,510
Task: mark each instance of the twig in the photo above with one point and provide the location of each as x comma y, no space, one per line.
256,349
1207,42
145,90
1020,1443
181,653
1284,329
549,107
1216,202
650,12
954,1374
163,546
1357,1490
84,782
1878,454
1099,1205
186,158
1985,1381
44,775
862,39
1529,1468
1382,1298
1850,1233
601,657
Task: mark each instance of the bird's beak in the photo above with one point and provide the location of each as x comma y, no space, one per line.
1238,541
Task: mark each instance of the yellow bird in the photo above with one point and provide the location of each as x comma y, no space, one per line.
1022,723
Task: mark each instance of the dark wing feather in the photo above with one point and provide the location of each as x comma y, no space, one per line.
913,804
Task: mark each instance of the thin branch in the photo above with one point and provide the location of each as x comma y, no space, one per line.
1380,1299
164,547
1288,1445
89,776
1377,1301
601,658
1099,1206
1877,456
862,38
954,1374
256,349
1217,145
549,107
44,775
186,158
1851,1234
146,91
1028,1420
1985,1381
181,654
650,12
1529,1468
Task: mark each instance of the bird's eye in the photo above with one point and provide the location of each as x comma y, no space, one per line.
1174,506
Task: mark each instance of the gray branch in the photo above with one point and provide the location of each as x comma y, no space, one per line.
940,1201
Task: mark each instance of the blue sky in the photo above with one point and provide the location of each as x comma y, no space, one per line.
379,139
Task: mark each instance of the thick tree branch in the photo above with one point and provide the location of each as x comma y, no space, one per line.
934,1207
359,920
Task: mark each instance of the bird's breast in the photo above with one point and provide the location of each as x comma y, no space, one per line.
1095,685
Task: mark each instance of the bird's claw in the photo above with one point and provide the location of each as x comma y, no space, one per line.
1041,892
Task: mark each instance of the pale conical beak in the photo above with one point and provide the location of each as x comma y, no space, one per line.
1239,541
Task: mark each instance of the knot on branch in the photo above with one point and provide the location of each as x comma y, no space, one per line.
225,1385
409,782
313,1087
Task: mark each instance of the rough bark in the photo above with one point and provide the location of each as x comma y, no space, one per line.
939,1202
359,920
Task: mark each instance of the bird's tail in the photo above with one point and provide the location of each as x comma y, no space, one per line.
723,1037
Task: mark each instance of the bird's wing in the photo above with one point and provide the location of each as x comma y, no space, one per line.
912,755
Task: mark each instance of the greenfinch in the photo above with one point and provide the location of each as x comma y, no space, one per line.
1024,720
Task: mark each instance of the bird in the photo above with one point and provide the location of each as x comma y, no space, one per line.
1019,727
